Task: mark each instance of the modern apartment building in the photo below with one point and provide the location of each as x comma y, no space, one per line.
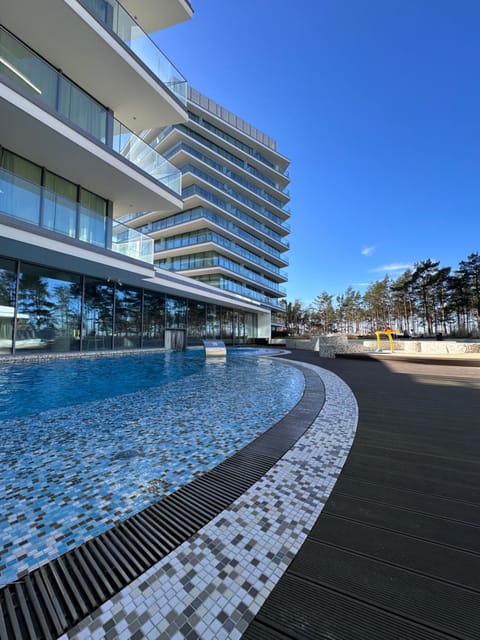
79,81
233,227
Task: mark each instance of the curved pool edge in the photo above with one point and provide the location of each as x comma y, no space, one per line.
215,582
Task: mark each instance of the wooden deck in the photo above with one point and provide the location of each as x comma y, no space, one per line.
395,553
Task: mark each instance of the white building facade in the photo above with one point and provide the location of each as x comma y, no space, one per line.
81,81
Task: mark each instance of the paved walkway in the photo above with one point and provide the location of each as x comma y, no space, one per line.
395,554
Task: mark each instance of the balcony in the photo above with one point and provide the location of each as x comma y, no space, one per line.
195,219
103,49
38,83
171,246
195,190
112,15
32,203
213,263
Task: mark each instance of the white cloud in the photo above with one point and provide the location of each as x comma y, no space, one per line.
393,266
368,251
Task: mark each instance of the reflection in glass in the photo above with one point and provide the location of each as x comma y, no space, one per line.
97,315
19,187
213,322
128,318
92,218
176,313
49,304
196,322
227,326
7,304
153,320
59,205
240,329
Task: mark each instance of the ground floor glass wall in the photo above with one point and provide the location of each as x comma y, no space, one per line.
45,309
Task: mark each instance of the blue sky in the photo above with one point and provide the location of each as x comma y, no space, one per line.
377,105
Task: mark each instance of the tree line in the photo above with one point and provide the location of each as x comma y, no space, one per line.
426,300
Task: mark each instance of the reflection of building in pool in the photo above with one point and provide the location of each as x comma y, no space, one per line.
73,163
233,227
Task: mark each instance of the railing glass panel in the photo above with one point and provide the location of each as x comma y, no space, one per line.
112,15
131,147
131,243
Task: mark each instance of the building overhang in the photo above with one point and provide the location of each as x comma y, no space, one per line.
72,256
43,138
154,15
70,39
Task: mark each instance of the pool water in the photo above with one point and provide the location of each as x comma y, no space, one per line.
29,388
87,442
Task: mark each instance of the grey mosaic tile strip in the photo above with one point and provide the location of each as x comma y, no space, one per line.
213,585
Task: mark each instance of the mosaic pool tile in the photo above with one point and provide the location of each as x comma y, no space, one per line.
68,474
213,585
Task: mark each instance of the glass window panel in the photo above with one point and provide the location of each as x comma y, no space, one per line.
97,315
176,313
227,326
250,325
128,318
59,205
82,110
153,320
92,218
19,187
196,322
213,322
48,315
7,304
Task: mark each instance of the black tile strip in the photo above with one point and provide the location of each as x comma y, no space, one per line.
54,598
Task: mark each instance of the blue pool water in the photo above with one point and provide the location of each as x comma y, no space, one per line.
86,442
33,387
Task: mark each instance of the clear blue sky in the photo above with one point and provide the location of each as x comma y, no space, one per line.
377,105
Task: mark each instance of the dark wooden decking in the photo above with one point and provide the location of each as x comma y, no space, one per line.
395,553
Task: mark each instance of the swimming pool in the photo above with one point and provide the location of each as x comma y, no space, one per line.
135,428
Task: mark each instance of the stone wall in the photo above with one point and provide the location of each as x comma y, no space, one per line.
328,346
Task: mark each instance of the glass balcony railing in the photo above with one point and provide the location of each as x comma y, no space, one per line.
229,285
113,16
200,212
183,146
44,84
131,243
131,147
194,189
187,263
200,237
39,206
